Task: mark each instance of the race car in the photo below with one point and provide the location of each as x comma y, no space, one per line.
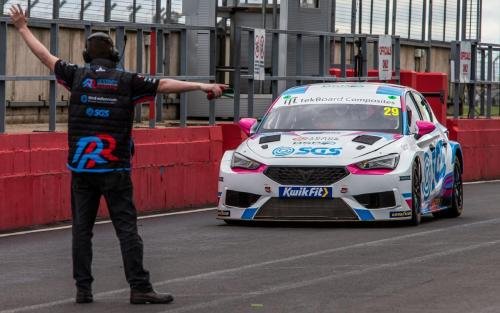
343,152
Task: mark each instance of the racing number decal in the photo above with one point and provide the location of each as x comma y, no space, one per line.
390,111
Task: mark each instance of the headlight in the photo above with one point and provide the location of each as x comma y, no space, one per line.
388,161
241,161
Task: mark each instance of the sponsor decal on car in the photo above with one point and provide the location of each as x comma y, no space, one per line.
396,214
315,140
319,151
283,151
305,192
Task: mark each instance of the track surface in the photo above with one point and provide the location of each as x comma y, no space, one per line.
444,265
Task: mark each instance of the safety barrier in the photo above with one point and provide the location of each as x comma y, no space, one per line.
480,146
173,168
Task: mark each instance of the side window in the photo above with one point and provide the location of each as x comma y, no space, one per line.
423,107
413,113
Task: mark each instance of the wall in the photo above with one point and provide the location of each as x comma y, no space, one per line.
480,146
173,168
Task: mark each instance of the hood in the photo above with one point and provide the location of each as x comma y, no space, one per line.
343,146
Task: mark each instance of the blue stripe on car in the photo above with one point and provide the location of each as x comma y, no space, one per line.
364,215
390,91
295,91
407,195
249,213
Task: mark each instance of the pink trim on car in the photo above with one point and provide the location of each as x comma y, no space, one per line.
240,170
355,170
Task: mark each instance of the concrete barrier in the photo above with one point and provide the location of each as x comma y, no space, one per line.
173,168
480,145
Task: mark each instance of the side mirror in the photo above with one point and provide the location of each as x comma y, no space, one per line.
424,128
246,125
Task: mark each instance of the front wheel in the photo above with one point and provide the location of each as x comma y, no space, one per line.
416,195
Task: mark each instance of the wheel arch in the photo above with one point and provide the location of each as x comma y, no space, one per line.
457,154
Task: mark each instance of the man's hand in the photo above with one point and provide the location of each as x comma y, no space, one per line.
213,90
18,17
39,50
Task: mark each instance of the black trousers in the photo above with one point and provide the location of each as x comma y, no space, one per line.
86,192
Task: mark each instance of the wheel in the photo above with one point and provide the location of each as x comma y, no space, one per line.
416,195
456,208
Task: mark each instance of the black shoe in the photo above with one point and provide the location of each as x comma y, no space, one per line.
138,297
84,296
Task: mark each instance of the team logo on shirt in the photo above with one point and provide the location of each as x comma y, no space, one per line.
100,83
94,150
89,83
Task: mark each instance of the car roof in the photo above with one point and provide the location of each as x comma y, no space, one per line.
345,93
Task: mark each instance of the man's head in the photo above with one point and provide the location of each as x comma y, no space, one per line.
100,46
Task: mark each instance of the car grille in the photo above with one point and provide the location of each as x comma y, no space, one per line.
377,200
306,175
306,209
240,199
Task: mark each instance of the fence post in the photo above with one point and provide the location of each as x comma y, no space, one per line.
3,65
183,72
490,81
397,55
160,50
472,82
138,69
455,56
54,36
274,64
212,71
237,73
343,47
250,93
299,66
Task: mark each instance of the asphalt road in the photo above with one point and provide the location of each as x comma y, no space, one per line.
443,265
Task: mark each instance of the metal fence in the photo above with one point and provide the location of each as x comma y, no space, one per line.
159,30
479,94
438,20
327,45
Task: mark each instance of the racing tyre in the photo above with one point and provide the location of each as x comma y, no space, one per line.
457,197
416,195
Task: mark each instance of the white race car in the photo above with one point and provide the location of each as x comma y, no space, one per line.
343,152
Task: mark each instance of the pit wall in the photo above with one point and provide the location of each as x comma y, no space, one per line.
480,145
173,168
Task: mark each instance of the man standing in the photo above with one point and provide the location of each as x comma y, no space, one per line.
99,138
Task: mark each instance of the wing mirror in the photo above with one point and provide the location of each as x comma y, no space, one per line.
424,128
247,124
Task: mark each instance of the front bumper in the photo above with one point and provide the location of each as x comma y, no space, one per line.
354,197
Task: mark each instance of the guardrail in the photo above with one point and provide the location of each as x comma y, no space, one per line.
157,47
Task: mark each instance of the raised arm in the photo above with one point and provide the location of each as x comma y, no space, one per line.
39,50
168,85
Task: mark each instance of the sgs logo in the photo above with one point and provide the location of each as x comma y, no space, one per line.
97,112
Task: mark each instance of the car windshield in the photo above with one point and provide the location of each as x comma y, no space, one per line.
333,116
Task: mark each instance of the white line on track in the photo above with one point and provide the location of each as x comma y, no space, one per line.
144,217
318,280
482,182
288,259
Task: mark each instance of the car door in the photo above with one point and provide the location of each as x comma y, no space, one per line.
435,146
